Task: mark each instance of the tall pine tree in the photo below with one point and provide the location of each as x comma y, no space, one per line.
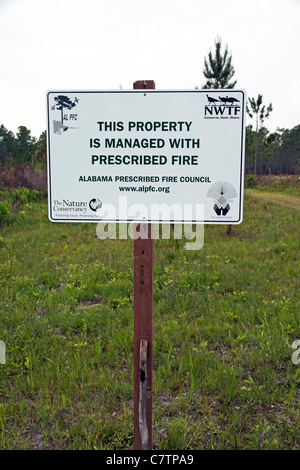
218,68
258,111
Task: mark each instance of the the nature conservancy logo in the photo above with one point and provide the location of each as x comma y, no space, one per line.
64,103
95,204
222,107
221,193
70,206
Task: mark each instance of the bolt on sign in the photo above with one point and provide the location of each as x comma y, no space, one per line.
146,156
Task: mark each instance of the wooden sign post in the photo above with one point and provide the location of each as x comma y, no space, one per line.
143,327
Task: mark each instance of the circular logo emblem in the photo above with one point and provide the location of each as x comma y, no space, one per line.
95,204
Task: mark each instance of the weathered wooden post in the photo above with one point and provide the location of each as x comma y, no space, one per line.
143,327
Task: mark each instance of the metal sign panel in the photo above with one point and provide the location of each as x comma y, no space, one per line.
146,156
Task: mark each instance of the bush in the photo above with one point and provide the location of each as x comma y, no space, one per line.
24,195
4,212
251,181
12,202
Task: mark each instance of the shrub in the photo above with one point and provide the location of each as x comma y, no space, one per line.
13,200
24,195
4,211
251,181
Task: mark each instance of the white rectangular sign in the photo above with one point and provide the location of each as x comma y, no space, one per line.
146,156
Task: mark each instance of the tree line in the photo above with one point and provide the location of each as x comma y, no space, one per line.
265,153
22,148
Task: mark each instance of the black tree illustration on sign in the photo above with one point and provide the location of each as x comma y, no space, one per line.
63,102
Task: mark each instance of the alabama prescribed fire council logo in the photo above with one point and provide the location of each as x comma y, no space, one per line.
64,104
222,193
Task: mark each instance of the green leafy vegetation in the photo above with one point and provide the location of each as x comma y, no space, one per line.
225,318
12,202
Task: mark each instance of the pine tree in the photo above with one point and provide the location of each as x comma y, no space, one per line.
260,113
24,145
218,69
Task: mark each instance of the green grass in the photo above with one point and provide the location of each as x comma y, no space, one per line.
225,318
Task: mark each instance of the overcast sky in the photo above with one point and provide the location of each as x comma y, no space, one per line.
106,44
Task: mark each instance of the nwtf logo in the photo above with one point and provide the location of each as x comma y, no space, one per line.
226,107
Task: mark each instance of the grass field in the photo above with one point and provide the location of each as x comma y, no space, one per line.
225,318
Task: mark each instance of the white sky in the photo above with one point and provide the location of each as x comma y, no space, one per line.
105,44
